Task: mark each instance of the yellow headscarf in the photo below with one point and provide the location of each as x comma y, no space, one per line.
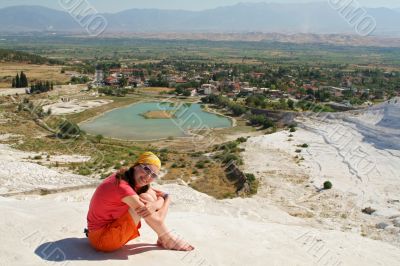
148,158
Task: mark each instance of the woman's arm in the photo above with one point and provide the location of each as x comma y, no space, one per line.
157,204
152,197
135,203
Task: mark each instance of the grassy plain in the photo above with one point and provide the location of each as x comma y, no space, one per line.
8,70
138,50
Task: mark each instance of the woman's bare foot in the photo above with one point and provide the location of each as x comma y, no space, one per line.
174,243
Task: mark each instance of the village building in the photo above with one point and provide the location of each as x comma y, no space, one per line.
208,89
335,91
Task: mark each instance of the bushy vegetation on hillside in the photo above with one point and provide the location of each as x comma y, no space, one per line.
7,55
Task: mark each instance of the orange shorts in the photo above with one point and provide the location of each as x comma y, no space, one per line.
114,235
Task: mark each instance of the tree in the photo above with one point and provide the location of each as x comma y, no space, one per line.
290,104
13,83
238,109
121,92
255,100
179,90
123,82
310,92
40,87
282,104
99,138
17,81
268,123
186,93
79,80
23,80
257,120
322,95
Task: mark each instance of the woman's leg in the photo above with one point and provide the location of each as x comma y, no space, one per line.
156,221
145,196
151,196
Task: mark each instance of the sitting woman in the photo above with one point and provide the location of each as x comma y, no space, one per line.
122,199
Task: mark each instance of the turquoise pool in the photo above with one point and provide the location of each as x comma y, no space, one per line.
128,122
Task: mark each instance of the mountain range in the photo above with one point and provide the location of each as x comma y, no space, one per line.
317,18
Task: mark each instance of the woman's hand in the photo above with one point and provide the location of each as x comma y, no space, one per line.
159,193
148,209
162,194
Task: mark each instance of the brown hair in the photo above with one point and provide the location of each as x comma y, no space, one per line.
128,176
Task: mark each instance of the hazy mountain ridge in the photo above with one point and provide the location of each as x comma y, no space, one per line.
260,17
35,18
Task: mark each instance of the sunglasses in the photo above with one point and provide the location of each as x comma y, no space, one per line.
149,171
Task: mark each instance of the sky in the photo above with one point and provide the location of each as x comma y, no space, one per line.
118,5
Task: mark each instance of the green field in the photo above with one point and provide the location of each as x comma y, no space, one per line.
135,50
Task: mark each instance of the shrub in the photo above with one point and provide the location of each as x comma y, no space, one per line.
37,157
230,157
298,151
196,154
256,120
256,101
174,165
268,123
84,171
253,183
99,138
305,145
163,157
200,165
241,139
20,107
229,146
292,130
238,110
290,104
250,177
327,185
117,166
67,129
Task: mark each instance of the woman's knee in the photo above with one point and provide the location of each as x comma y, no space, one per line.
147,197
